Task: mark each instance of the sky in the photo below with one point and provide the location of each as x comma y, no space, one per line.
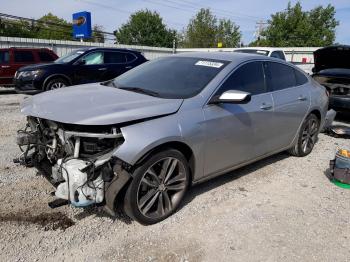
175,13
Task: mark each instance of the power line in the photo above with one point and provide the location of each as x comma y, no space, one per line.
215,10
109,7
185,7
46,23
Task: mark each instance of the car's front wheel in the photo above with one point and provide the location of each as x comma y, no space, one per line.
157,188
56,83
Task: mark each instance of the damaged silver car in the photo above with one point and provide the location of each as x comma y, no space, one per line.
139,141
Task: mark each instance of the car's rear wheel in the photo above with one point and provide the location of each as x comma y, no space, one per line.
307,137
157,188
56,83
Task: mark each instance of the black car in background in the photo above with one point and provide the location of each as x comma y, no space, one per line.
78,67
332,70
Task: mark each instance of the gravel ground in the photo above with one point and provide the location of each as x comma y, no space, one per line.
279,209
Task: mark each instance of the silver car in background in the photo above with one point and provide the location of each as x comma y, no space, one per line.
139,141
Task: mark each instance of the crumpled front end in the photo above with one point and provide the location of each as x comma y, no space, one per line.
77,160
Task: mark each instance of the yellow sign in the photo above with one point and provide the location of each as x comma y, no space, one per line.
219,45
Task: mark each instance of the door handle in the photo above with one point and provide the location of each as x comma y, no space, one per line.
265,106
128,67
302,98
102,69
5,66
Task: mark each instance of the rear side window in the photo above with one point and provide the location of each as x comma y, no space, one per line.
115,57
45,57
4,57
130,57
248,78
280,76
24,57
300,77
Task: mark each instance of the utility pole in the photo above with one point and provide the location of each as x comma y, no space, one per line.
174,46
260,26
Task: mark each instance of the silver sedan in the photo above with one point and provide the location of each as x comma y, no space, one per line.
140,140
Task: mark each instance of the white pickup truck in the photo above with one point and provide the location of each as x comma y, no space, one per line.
274,52
266,51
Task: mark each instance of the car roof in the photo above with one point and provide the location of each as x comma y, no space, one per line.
107,49
26,48
233,57
260,48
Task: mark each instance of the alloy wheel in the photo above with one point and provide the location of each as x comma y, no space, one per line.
309,135
161,187
57,85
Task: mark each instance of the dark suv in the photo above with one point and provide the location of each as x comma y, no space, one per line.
11,59
78,67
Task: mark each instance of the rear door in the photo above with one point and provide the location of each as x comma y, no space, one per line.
237,133
117,63
6,73
291,101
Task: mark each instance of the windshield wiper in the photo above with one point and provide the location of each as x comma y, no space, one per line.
140,90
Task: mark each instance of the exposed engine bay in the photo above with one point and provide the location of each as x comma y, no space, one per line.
76,160
335,84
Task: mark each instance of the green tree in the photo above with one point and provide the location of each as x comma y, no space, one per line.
15,28
145,28
205,30
201,30
295,27
228,33
53,27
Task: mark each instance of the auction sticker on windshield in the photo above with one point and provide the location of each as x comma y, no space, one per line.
209,64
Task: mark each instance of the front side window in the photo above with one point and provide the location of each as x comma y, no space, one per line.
280,76
24,57
95,58
248,78
69,57
4,57
171,77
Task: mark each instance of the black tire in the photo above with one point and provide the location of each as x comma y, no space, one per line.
307,137
56,83
150,197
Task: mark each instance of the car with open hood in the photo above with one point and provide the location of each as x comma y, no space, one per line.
332,70
141,140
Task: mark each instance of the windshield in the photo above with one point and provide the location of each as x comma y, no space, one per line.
253,51
171,77
69,57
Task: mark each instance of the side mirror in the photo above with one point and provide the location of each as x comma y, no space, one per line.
232,96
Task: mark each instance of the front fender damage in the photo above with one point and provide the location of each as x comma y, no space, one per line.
114,188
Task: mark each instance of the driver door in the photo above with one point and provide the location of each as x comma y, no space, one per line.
90,68
237,133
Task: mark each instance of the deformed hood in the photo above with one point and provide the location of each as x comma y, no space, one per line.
95,104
